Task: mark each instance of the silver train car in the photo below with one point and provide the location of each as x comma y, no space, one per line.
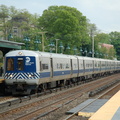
33,71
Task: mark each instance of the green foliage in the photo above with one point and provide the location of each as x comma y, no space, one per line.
59,22
66,23
11,17
115,40
107,39
102,38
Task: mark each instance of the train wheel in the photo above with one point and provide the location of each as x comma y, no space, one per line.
32,92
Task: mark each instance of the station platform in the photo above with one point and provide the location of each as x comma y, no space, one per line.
92,106
110,110
88,107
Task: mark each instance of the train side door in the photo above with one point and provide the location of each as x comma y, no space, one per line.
71,66
84,66
78,67
93,65
51,63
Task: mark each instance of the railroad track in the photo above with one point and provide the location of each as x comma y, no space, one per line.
44,106
6,99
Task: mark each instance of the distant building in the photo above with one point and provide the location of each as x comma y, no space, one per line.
110,51
104,45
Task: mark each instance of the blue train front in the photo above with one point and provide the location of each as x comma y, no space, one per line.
20,72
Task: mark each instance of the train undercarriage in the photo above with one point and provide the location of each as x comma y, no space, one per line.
25,89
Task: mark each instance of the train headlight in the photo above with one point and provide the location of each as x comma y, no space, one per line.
11,75
30,76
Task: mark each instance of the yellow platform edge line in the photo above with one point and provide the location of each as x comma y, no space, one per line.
85,114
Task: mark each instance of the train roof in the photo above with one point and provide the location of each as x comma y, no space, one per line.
21,53
36,53
52,55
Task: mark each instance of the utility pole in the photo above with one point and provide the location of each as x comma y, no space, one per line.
92,40
42,33
93,44
92,34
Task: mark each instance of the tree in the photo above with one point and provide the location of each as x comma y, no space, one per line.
16,22
115,40
4,15
103,38
65,23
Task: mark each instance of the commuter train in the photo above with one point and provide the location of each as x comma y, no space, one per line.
33,71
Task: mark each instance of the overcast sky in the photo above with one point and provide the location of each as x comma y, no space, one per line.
105,14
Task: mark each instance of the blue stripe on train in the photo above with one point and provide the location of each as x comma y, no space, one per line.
34,75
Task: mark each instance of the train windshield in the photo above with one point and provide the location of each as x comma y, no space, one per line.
10,64
20,63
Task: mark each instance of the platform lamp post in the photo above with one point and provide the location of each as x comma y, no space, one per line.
51,46
68,48
97,54
81,51
37,42
10,37
61,47
107,56
42,33
75,49
100,55
90,53
27,40
85,52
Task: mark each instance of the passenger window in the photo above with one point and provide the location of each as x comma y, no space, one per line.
95,64
75,65
10,64
58,66
67,65
45,66
20,64
61,66
81,65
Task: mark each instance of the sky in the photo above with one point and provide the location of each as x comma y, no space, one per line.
105,14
